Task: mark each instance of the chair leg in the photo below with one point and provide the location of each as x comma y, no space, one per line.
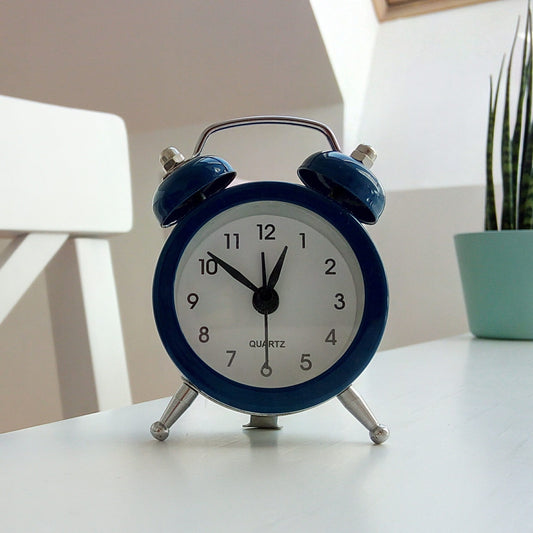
21,262
87,331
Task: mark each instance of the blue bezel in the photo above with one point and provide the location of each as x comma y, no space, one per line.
272,400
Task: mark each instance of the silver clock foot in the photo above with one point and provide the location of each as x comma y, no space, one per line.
358,408
262,422
176,407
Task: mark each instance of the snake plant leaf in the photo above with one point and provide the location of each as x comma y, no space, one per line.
491,221
525,204
526,187
508,179
527,222
525,200
521,124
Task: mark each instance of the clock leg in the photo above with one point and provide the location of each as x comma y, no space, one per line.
358,408
176,407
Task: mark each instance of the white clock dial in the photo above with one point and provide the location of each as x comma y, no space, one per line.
299,327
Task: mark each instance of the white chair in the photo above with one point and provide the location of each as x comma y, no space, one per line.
65,187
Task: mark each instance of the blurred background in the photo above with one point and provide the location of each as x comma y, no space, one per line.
414,87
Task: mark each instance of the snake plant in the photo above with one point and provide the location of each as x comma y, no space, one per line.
516,143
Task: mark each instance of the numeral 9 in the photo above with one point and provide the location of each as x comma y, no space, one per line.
192,299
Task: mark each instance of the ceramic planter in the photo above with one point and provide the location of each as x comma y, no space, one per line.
497,276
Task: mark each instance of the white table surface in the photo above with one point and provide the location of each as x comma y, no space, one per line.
459,458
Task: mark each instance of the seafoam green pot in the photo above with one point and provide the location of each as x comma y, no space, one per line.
497,275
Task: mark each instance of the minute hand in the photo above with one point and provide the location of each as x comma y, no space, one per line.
276,271
233,272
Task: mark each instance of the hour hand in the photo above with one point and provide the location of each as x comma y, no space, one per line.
233,272
276,271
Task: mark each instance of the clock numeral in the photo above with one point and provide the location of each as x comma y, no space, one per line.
232,240
302,236
331,338
192,299
266,232
203,334
331,264
208,266
231,354
341,303
305,362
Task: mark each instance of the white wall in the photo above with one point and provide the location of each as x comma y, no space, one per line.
426,104
415,240
349,29
417,88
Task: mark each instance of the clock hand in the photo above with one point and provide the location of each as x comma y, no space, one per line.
263,269
276,271
266,370
266,299
233,272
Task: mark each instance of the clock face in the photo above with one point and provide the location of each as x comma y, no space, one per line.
270,298
269,294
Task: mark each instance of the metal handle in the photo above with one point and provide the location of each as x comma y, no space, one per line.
266,119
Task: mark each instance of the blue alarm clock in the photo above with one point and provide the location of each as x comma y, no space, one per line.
269,297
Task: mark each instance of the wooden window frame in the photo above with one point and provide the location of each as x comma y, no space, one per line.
392,9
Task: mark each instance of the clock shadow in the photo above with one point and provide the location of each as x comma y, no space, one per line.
284,439
263,438
259,438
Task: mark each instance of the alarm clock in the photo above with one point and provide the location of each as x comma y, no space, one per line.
269,297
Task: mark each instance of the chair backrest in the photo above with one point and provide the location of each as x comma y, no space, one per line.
65,187
62,170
